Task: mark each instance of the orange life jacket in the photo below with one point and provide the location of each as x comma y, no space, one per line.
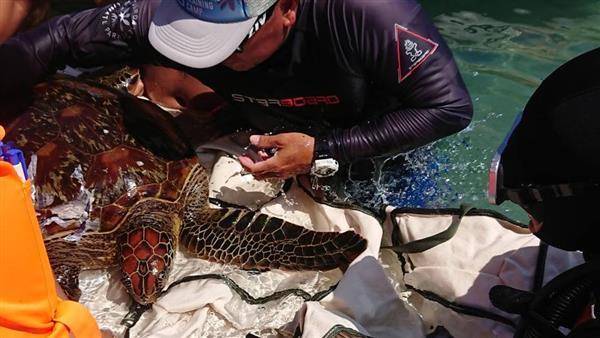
29,304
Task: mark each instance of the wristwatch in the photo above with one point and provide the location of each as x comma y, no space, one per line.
324,165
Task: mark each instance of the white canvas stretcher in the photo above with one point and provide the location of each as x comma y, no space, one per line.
371,297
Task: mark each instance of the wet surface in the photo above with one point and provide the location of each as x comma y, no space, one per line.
504,50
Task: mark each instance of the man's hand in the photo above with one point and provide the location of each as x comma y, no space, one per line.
293,156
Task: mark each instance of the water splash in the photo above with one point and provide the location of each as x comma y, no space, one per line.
413,179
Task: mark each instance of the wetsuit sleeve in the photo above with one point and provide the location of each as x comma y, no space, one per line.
395,46
94,37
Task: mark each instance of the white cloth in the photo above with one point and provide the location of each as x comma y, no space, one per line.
484,252
370,298
364,301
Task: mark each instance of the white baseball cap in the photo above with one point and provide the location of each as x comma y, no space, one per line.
203,33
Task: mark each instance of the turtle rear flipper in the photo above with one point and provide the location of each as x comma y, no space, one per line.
257,241
67,276
69,255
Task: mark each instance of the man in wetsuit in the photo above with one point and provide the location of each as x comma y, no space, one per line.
333,81
549,165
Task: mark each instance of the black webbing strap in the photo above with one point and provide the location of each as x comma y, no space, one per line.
427,243
540,267
463,309
136,310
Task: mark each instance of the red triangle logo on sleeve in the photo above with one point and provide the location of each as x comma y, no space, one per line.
413,49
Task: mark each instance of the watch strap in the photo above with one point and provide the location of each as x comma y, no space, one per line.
322,149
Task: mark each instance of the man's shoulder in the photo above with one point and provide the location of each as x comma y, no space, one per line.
128,19
359,6
356,16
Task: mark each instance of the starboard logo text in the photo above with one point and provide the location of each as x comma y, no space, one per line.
295,102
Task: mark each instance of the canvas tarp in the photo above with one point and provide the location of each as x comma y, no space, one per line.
374,297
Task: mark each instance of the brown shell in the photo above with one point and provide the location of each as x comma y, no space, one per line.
90,168
76,131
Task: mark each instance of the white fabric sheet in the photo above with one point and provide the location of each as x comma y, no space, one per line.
484,252
364,301
370,298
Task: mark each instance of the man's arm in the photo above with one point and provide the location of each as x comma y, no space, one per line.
93,37
396,48
394,44
12,14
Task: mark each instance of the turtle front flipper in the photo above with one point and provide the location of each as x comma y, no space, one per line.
256,241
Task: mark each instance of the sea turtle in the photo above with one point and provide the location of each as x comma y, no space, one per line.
103,199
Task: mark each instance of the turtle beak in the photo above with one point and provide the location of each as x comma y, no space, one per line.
145,289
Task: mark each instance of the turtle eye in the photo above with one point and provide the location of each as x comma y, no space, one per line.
161,275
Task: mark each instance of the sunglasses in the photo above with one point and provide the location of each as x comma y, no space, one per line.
529,193
260,21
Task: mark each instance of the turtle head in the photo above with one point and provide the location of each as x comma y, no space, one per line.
146,253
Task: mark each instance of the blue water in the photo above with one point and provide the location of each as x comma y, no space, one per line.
504,50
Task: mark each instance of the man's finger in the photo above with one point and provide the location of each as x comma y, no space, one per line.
258,169
263,167
263,155
265,141
245,161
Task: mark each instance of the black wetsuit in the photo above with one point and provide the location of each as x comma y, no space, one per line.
367,77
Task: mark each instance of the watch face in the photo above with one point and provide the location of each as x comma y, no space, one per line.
325,167
326,171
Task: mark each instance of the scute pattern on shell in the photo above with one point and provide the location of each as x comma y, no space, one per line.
122,170
54,179
76,127
100,129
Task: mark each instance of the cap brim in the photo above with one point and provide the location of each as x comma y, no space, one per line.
193,42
